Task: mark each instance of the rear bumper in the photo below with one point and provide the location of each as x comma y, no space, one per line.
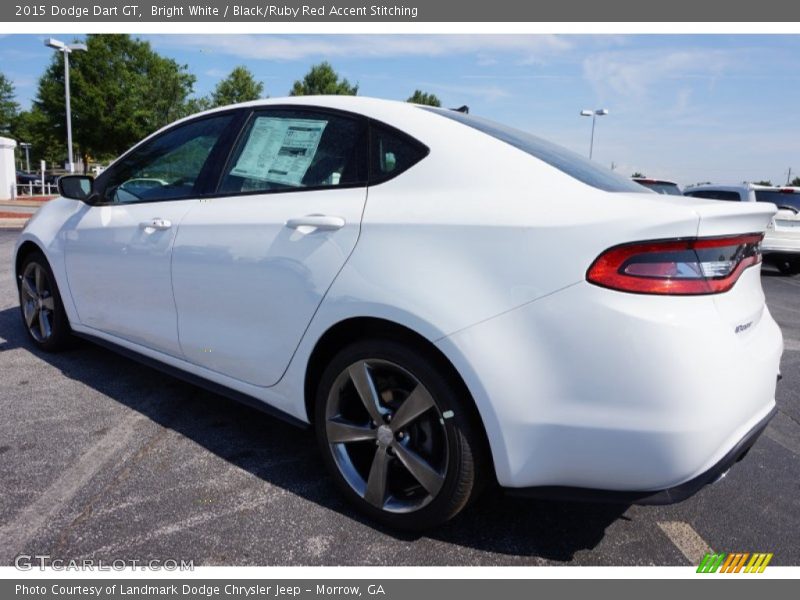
671,495
781,243
590,388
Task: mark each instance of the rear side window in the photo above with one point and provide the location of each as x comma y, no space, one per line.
392,152
291,149
779,198
566,161
716,195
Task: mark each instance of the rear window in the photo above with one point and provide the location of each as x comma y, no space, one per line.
661,187
779,198
715,195
564,160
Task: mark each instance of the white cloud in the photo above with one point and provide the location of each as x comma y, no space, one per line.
527,48
633,74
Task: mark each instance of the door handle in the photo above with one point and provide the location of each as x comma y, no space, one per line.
319,222
158,224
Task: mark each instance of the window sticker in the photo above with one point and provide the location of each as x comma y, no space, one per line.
280,150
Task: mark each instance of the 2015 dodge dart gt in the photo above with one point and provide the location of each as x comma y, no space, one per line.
448,301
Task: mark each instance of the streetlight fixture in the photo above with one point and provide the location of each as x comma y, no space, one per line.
66,50
600,112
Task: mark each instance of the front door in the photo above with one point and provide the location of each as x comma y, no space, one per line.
118,252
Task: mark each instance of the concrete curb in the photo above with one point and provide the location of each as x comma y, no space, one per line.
13,223
35,202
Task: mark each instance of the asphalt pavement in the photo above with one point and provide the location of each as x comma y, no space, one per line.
101,458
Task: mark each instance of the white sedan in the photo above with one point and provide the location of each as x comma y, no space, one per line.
449,302
781,245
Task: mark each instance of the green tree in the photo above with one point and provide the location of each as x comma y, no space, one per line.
638,175
239,86
795,182
34,127
420,97
763,182
8,105
321,79
122,90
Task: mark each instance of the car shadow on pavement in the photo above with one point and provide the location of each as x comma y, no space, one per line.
285,456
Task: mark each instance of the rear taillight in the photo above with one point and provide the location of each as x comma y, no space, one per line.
683,267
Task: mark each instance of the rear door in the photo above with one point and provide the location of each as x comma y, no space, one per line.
252,264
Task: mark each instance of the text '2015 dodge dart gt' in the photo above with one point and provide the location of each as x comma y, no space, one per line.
448,301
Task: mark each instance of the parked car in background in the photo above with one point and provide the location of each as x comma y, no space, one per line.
32,182
660,186
781,245
461,327
29,183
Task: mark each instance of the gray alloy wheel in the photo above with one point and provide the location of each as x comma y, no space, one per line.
38,302
386,436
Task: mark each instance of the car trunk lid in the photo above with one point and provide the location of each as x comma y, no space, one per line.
743,306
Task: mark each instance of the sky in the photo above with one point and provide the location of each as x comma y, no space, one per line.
690,108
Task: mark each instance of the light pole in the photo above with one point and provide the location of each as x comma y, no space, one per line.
27,147
600,112
66,50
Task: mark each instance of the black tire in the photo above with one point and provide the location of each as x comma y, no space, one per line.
56,334
788,266
457,434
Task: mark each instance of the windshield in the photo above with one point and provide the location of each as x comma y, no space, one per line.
564,160
778,197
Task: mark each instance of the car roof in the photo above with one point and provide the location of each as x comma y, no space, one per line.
361,104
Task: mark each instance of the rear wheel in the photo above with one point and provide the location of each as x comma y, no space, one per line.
788,265
396,436
40,304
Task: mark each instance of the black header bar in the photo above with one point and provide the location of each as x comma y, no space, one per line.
254,11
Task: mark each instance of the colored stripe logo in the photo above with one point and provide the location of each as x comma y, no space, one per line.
735,562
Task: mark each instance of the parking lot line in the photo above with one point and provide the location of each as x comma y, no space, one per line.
791,345
685,539
784,431
16,533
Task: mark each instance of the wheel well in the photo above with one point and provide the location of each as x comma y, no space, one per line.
359,328
24,251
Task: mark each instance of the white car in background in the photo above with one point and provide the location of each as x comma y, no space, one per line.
781,245
446,300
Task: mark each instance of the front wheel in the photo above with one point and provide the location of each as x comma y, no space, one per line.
40,304
397,437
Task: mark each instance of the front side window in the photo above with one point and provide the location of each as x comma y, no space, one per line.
167,167
284,150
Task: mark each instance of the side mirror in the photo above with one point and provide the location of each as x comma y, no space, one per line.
76,187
